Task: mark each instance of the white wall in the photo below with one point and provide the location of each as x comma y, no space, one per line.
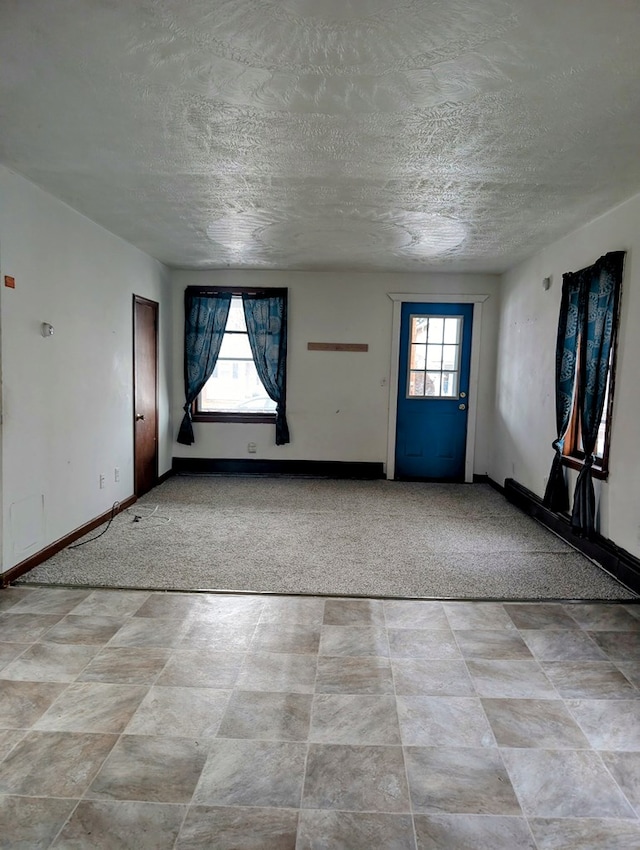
525,406
67,400
337,402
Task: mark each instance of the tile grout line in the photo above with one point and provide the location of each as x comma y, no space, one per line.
402,746
305,764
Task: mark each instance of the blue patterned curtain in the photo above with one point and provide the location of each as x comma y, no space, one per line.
556,495
205,318
266,318
601,284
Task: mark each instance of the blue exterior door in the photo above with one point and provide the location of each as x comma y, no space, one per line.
433,391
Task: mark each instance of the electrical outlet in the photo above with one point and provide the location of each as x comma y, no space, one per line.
251,448
102,480
116,474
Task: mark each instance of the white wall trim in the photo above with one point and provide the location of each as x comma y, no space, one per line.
438,298
398,299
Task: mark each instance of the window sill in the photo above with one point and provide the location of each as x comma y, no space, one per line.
598,471
255,418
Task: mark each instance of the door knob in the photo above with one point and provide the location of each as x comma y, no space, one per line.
139,417
462,407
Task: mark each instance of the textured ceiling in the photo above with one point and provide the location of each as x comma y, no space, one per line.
316,134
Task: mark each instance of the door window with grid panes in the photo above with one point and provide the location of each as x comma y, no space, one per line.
434,363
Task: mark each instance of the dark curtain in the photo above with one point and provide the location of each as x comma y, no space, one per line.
205,319
556,496
266,318
601,285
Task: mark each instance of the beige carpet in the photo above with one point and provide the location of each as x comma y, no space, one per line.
318,536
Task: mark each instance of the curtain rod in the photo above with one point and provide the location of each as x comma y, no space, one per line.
216,290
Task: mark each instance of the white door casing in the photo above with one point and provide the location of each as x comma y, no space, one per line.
398,299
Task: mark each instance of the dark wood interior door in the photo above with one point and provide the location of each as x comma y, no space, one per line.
145,393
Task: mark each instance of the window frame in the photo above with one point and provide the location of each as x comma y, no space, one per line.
245,417
574,457
442,371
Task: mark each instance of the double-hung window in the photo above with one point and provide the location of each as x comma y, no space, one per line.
573,452
234,392
235,358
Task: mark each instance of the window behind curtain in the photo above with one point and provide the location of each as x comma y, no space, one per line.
573,448
235,386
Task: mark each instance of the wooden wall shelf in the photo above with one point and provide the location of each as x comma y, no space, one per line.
337,346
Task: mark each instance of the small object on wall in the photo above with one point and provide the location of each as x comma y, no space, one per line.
9,281
47,329
546,284
337,346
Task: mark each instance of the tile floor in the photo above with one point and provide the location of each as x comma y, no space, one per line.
158,720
